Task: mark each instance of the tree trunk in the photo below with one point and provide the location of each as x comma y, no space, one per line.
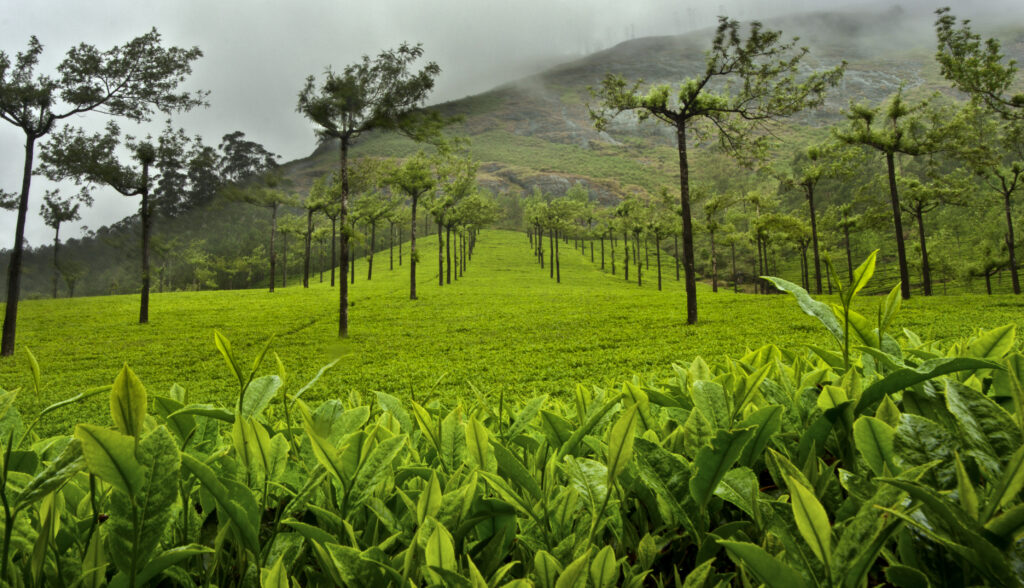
448,254
551,246
684,199
352,260
735,283
675,253
625,253
343,253
611,237
440,255
412,252
391,245
1010,243
284,259
399,246
647,253
146,225
558,264
714,264
640,266
373,246
814,238
988,283
591,251
309,245
602,252
334,246
898,223
926,272
56,248
14,266
657,254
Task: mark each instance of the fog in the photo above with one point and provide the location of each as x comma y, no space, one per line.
257,54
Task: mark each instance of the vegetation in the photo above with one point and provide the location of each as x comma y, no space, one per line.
793,467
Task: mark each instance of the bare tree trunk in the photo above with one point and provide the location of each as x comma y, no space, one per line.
657,253
284,259
56,248
551,265
926,272
342,219
558,265
391,245
334,253
448,254
898,223
714,264
440,255
849,255
412,252
689,269
147,222
308,244
814,238
735,284
625,253
1010,245
373,245
352,260
17,253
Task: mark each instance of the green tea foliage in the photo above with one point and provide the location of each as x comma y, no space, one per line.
892,458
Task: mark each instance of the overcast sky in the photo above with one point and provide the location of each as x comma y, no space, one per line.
257,54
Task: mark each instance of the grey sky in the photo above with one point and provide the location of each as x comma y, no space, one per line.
258,52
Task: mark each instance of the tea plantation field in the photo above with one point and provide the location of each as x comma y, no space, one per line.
505,328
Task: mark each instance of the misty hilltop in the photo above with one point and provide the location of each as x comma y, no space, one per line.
536,131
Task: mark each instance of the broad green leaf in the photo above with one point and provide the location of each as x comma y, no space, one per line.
965,489
698,577
589,477
982,424
919,441
156,566
770,571
713,403
889,308
768,421
315,379
874,440
375,468
604,569
525,416
992,344
811,520
739,486
907,377
258,395
440,550
478,446
70,461
230,506
224,346
906,577
393,406
111,457
128,403
452,450
546,569
512,469
556,429
1009,486
138,521
207,410
569,447
575,574
819,310
861,276
276,576
888,412
620,443
429,501
714,460
94,563
1009,526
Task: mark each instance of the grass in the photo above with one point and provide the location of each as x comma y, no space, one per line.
505,328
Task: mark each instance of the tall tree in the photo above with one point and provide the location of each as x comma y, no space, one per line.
994,150
414,178
808,168
381,93
133,81
978,67
903,129
72,154
57,211
759,80
714,207
324,195
266,193
242,159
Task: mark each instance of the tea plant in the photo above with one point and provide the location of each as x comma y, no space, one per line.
892,459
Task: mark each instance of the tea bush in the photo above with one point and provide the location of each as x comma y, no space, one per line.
894,459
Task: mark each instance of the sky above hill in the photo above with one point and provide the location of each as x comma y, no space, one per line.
257,54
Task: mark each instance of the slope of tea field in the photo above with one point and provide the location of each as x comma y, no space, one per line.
505,327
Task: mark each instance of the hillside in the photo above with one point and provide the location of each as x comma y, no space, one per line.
536,131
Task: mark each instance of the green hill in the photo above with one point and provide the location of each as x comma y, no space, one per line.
504,329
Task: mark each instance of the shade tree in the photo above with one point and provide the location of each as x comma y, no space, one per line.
382,93
746,85
57,210
412,179
267,192
131,81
